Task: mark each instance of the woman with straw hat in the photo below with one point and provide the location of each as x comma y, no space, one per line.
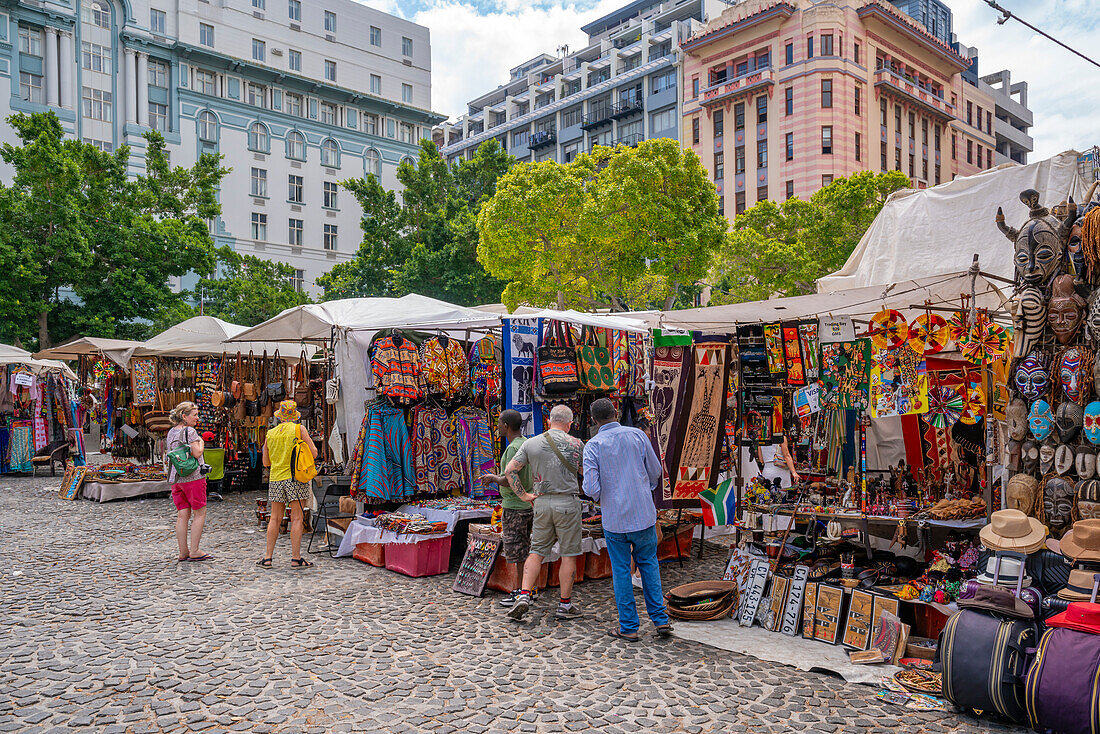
283,489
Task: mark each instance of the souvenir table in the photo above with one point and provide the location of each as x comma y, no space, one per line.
450,516
362,531
107,491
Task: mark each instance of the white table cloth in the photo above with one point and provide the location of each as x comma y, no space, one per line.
107,492
451,517
361,532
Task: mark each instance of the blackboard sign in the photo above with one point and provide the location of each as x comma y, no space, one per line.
477,564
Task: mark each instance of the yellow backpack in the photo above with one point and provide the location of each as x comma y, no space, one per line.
302,463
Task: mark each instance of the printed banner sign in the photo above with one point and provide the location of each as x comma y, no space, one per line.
836,329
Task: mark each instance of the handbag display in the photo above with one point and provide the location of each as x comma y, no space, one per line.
303,395
594,362
275,388
557,363
248,389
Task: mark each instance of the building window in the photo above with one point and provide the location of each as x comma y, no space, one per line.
989,122
954,147
719,123
924,169
719,167
328,113
882,111
855,52
158,116
827,44
158,73
375,84
569,152
294,189
158,21
695,131
259,226
980,118
259,182
859,147
102,145
788,52
208,126
206,34
739,159
827,140
94,57
663,120
912,126
761,109
30,42
330,154
897,159
809,47
739,117
739,203
98,13
374,162
330,70
375,36
788,101
937,173
294,60
30,87
569,118
299,280
370,124
406,133
970,113
788,146
259,4
761,193
97,104
406,46
979,156
826,92
912,166
989,158
256,95
330,21
295,231
293,104
883,154
762,153
790,189
936,137
259,50
969,151
665,80
406,93
330,195
294,10
295,146
826,179
330,236
897,119
206,82
258,138
858,101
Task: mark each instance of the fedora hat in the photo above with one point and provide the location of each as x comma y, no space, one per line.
1082,542
1010,573
995,599
1079,586
1079,615
1012,530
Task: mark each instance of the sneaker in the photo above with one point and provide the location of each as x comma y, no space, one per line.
214,496
570,612
509,600
519,608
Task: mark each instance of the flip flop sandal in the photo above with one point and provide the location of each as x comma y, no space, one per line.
203,557
619,635
264,563
300,563
665,630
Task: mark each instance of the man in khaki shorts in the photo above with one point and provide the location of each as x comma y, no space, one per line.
554,458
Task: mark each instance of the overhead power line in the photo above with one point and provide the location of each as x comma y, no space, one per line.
1006,14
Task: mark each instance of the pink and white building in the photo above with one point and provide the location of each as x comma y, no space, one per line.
780,98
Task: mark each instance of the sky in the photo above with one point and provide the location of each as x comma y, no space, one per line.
476,42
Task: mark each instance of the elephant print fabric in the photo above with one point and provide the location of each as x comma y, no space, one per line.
666,403
710,371
520,342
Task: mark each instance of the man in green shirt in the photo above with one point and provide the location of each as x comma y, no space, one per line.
517,515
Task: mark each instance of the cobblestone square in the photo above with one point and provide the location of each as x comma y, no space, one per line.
103,631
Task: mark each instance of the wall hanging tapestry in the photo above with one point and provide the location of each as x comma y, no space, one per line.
807,334
666,403
475,451
143,376
699,455
435,452
520,340
773,343
899,382
792,355
846,372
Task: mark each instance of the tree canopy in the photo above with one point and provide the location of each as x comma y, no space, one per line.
783,248
621,228
425,239
87,249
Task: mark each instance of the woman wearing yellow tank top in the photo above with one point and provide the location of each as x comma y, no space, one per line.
282,489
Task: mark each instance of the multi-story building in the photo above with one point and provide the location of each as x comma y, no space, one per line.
297,95
620,88
1012,119
809,92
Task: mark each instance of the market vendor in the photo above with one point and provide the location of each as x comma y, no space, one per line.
517,515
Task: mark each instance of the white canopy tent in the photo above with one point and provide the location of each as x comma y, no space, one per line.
622,322
920,232
15,355
87,345
199,336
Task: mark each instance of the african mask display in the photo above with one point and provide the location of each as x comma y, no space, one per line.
1071,373
1029,317
1020,493
1032,377
1091,422
1058,501
1066,311
1038,244
1013,454
1085,462
1064,459
1040,420
1047,451
1068,420
1092,320
1088,499
1016,414
1074,253
1029,455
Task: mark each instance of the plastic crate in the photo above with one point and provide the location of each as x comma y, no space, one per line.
372,553
597,565
426,558
666,549
552,573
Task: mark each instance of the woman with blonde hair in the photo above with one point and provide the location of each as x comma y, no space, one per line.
282,488
188,492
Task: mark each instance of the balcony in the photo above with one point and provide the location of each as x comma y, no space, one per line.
900,88
746,84
626,108
542,139
601,116
631,140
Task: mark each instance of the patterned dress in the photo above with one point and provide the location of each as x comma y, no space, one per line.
475,447
383,457
435,452
397,368
444,369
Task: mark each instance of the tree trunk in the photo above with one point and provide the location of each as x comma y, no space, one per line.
561,300
43,331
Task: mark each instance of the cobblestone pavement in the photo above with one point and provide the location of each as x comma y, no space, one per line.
101,630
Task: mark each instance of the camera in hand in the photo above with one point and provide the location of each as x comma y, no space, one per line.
204,469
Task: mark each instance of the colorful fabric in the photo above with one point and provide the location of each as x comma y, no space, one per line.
444,368
807,334
719,504
21,447
40,438
635,387
700,449
773,343
666,401
287,491
475,451
435,452
928,334
396,367
485,372
143,377
383,457
845,372
899,382
792,356
520,340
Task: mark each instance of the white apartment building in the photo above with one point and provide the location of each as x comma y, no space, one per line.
297,95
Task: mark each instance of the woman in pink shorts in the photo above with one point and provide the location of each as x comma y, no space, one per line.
189,492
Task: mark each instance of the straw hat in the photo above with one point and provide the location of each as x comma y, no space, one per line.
288,411
1012,530
1080,615
1079,586
1082,542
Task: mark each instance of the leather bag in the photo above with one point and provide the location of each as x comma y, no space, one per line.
249,388
558,363
235,388
303,395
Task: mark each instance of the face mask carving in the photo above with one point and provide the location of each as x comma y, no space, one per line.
1030,318
1071,373
1032,377
1016,413
1047,450
1092,320
1073,251
1058,502
1085,462
1013,455
1064,459
1088,499
1038,243
1066,311
1040,420
1029,455
1091,422
1068,420
1020,493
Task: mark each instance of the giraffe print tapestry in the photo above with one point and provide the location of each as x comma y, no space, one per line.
697,468
666,403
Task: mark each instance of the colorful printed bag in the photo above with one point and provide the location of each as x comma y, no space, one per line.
594,362
558,363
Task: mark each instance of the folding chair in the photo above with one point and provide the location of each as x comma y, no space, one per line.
332,489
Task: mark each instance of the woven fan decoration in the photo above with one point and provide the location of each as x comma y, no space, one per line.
985,341
888,329
928,334
945,405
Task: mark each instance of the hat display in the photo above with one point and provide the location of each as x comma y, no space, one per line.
288,411
1012,530
1080,615
1082,542
995,599
1010,573
1079,586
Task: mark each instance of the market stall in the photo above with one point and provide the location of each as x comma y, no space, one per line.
39,410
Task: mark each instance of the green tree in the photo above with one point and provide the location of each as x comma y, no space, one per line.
88,249
425,240
624,227
783,248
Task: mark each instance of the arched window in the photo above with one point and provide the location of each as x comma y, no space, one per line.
258,138
97,12
330,153
208,126
374,163
295,146
408,160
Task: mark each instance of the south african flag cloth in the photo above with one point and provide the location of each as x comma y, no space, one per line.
719,504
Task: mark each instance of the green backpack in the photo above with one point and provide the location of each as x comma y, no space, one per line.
184,463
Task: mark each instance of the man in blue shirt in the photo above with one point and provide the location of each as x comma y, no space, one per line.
621,471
